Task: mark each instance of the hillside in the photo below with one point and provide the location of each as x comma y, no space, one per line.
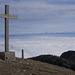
31,67
70,55
55,60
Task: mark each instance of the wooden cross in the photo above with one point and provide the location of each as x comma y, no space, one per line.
7,16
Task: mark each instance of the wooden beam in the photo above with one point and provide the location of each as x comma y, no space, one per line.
8,16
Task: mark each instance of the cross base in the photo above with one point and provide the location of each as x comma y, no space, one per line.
8,56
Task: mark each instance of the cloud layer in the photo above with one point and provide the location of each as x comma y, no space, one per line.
36,45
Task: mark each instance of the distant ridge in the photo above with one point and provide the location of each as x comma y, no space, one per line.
57,34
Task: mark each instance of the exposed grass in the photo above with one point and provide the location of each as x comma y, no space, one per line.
30,67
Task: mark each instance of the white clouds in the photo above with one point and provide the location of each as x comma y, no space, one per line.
37,45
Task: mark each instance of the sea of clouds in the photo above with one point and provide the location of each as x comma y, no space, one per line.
37,45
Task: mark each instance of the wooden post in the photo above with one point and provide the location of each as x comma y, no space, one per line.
22,54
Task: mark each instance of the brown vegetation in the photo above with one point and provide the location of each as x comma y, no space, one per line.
30,67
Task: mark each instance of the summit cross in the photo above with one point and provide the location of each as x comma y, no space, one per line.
7,17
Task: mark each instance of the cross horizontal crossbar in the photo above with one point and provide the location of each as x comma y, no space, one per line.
8,16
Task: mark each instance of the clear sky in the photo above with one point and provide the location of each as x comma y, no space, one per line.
39,16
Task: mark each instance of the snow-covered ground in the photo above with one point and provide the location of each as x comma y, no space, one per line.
37,45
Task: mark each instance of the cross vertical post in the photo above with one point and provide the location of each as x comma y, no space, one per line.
6,29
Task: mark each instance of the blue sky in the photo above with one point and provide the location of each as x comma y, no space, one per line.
39,16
